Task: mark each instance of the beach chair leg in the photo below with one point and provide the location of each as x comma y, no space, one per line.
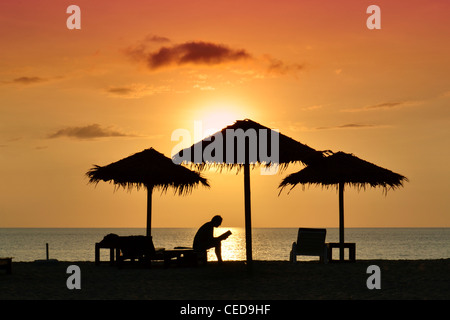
97,254
324,257
9,267
293,254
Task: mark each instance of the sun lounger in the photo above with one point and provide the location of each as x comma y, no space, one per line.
310,242
186,256
133,248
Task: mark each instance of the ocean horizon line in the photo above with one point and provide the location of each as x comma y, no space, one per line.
232,227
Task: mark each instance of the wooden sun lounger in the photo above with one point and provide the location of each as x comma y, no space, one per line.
131,248
310,242
185,256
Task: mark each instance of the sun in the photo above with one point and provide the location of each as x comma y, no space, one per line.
216,118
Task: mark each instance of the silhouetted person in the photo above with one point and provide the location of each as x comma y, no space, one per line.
204,238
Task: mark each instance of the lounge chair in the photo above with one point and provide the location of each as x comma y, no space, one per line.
310,242
138,248
131,248
185,256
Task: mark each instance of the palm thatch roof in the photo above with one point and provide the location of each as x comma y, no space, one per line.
150,169
339,169
259,146
345,168
241,145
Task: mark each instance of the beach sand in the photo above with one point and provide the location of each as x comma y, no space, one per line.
268,280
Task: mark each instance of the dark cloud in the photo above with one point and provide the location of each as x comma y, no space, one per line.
386,105
279,67
203,53
135,90
29,80
195,52
121,91
348,126
139,51
154,38
88,132
380,106
25,80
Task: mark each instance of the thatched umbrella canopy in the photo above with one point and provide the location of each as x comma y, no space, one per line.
243,144
340,169
149,169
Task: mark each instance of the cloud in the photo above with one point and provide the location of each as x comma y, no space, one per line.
29,80
88,132
191,52
386,105
311,108
380,106
204,88
155,38
196,52
277,66
25,80
135,91
349,126
138,52
207,53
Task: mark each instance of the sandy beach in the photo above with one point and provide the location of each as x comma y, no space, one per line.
269,280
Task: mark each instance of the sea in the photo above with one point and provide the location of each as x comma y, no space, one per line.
77,244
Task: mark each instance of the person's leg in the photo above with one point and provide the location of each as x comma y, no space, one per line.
218,251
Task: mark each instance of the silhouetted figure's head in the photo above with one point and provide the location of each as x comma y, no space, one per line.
216,221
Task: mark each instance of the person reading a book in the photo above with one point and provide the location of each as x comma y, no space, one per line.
204,238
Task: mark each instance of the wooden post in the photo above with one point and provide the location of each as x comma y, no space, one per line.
248,215
97,253
46,250
149,210
341,220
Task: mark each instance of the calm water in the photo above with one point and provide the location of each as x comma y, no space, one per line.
268,243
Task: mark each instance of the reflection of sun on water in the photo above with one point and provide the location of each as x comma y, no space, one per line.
267,243
233,248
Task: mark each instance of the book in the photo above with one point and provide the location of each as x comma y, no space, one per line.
225,235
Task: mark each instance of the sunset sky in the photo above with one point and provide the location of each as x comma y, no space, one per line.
137,71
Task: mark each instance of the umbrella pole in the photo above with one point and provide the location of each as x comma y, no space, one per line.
248,221
341,220
149,210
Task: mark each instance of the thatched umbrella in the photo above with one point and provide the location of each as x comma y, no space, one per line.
255,143
151,170
340,169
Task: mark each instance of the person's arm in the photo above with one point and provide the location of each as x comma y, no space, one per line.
224,236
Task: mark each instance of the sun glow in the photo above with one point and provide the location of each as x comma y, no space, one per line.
206,121
216,120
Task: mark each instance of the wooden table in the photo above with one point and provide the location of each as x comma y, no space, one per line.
112,250
349,245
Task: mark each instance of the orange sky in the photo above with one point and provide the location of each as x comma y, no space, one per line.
74,98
